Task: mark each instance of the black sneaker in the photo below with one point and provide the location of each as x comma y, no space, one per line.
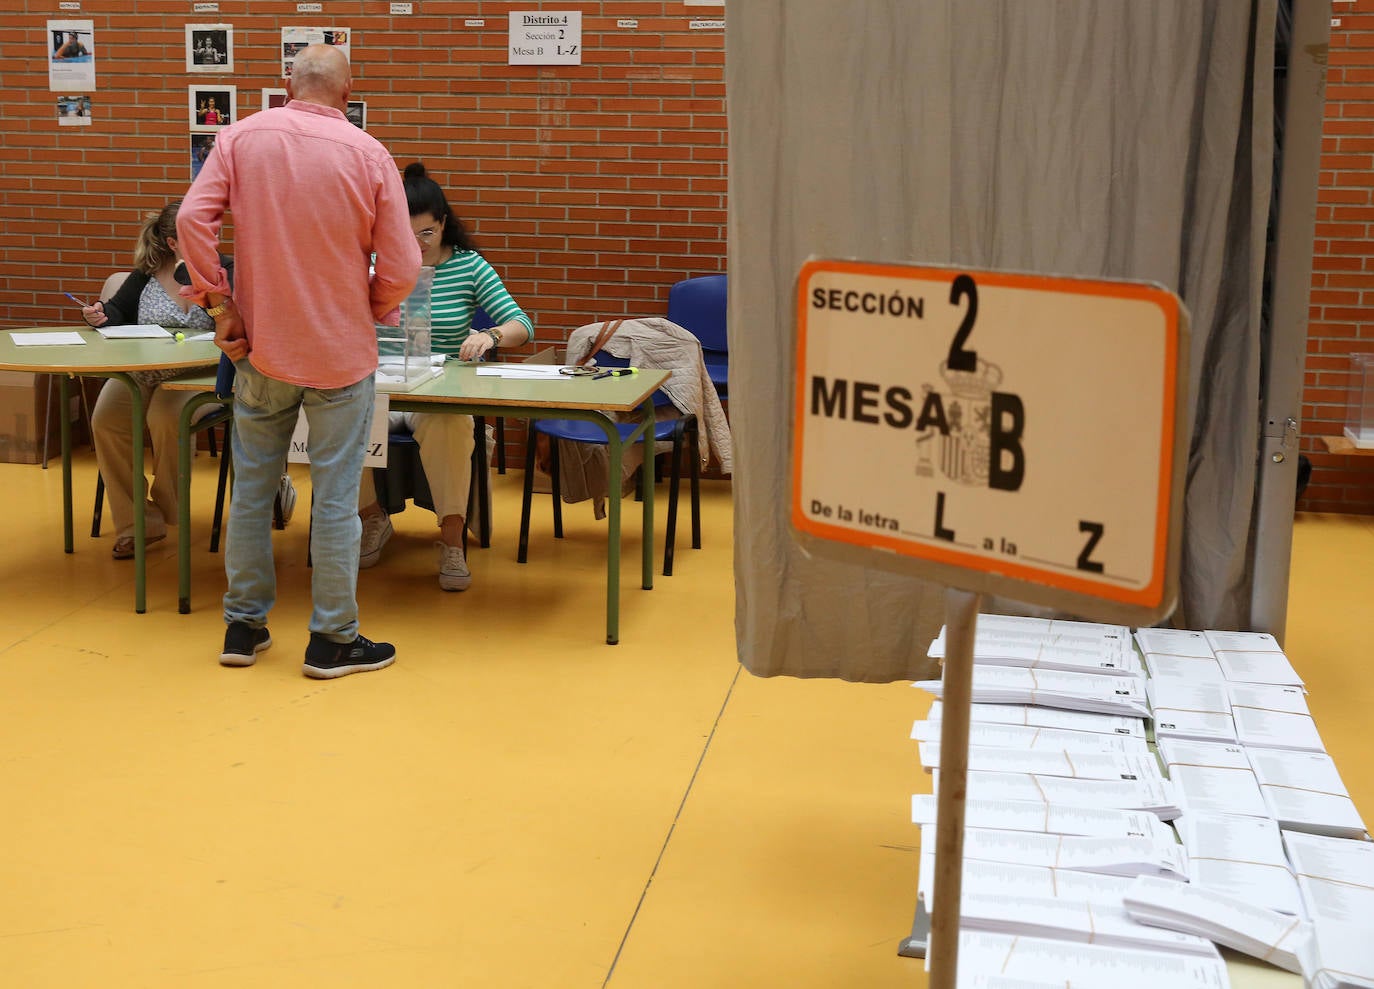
242,643
325,660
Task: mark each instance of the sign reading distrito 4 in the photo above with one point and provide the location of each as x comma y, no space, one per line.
1011,433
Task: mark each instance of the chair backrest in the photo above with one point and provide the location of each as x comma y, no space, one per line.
480,320
698,305
112,284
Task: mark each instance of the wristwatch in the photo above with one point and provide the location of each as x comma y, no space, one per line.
495,335
220,309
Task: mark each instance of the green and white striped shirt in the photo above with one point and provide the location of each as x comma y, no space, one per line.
462,284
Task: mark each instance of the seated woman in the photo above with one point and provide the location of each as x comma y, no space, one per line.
149,295
463,282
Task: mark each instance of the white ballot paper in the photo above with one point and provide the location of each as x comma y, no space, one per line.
1026,880
1155,796
1050,688
1025,815
1336,956
1252,657
1108,856
1075,765
1177,642
1047,717
1304,792
134,331
1335,875
1212,777
1273,717
57,338
1206,670
1006,961
1034,739
1242,857
1190,709
1236,923
1051,646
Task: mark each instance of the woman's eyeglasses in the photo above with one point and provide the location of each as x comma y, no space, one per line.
426,234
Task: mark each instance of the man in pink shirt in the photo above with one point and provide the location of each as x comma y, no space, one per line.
312,198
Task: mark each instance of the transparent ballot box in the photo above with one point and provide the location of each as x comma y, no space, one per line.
1359,415
404,359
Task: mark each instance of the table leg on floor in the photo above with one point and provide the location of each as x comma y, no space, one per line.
64,393
616,451
646,472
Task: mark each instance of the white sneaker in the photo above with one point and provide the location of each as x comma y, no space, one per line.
453,568
376,531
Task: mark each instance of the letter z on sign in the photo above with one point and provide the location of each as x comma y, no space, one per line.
1021,428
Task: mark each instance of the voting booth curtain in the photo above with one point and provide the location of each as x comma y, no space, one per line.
1111,140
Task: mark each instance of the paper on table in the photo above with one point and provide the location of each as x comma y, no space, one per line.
133,331
1194,670
1076,765
1096,923
1242,857
1051,646
1337,955
1335,875
1212,777
1173,642
1047,717
1190,709
62,338
1094,692
1048,818
1034,739
1304,792
1273,717
545,372
1026,880
1252,657
1156,796
1265,934
1003,961
1109,856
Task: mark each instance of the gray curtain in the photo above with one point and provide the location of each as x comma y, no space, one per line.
1080,137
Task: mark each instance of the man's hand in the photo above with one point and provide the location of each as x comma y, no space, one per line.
231,336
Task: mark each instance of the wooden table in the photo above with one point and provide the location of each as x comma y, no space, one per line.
102,358
462,390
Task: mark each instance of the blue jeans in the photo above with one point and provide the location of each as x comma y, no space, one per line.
265,412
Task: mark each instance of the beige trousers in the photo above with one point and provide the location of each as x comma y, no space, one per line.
112,432
446,444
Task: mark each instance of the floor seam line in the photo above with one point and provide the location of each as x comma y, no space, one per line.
696,770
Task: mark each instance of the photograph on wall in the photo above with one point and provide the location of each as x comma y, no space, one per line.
272,98
71,56
74,111
211,107
357,114
201,146
295,39
209,48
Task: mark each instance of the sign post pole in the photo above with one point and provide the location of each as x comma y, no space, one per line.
961,626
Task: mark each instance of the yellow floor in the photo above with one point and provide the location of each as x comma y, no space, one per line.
513,804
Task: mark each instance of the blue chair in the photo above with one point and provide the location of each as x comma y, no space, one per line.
579,431
698,305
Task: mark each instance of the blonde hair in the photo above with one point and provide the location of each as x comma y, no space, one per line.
152,250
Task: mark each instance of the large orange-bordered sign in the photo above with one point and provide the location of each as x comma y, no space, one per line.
1013,433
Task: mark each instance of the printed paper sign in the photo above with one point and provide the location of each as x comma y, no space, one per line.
71,56
545,37
299,452
1005,432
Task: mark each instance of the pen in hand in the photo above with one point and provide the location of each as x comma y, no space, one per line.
83,305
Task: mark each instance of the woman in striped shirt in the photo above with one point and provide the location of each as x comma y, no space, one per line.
463,282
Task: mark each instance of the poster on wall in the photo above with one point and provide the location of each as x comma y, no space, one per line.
201,146
295,39
209,48
74,111
545,37
211,106
272,98
357,114
71,56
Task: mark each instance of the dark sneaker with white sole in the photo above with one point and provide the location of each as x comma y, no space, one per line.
242,643
325,659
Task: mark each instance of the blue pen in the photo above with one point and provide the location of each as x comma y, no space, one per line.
86,305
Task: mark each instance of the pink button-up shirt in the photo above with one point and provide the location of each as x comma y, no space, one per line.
312,198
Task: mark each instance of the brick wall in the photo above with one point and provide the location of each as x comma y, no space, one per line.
591,188
1342,302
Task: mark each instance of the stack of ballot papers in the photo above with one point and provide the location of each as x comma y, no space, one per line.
1153,795
1005,961
1273,717
1132,726
1241,857
1093,692
1335,876
1212,777
1227,920
1034,739
1336,956
1304,792
1104,856
1050,645
1252,657
1198,709
1047,818
1177,653
1074,765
